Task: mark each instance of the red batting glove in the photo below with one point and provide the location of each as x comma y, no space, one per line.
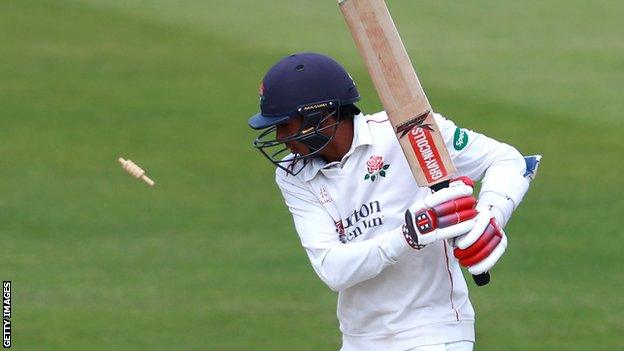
445,214
483,246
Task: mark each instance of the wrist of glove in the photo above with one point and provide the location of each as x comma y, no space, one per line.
483,245
445,214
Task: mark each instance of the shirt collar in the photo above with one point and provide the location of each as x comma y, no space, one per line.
361,137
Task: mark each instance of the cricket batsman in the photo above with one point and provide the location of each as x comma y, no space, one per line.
391,249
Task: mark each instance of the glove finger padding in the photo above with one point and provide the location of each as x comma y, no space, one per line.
456,217
482,221
456,230
491,260
463,203
486,250
475,249
457,189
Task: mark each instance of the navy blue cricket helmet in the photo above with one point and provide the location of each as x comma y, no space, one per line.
298,80
307,85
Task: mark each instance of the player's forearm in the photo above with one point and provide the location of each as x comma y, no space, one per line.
343,266
504,184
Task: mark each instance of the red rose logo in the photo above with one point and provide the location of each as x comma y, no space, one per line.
374,164
376,168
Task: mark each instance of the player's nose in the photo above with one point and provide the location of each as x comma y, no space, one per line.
281,132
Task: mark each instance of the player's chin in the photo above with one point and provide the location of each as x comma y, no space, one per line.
295,152
299,150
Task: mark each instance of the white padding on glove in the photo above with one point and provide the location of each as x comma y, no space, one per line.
505,183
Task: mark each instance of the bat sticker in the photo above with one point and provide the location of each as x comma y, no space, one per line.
404,128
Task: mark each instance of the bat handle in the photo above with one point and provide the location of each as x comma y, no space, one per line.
479,279
441,185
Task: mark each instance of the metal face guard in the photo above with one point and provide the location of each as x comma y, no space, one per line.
312,134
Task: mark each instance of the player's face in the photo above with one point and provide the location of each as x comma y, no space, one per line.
292,128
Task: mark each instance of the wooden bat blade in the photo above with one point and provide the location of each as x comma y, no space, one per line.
399,89
401,94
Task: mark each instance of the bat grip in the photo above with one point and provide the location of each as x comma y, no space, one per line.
479,279
441,185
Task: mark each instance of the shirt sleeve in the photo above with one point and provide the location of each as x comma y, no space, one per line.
339,265
499,166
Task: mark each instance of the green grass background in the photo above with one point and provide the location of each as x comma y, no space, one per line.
208,259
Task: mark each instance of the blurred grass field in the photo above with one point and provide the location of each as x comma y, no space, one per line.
208,259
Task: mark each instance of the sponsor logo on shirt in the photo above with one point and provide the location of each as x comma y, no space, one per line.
366,216
460,139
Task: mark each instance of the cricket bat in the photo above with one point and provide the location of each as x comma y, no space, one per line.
401,94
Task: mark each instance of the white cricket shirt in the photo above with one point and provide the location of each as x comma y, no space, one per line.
348,216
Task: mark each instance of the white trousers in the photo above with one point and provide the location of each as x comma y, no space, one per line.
452,346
